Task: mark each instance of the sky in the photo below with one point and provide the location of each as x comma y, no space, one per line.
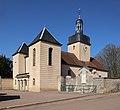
22,20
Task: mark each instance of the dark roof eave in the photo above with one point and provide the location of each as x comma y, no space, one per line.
87,66
73,65
101,70
26,56
52,43
20,53
33,43
44,41
98,69
79,41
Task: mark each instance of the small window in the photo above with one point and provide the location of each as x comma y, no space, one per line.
50,56
73,47
100,76
34,56
69,74
33,81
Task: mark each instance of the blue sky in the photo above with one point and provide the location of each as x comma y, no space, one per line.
22,20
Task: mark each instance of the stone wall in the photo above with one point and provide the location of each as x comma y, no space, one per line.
70,84
99,82
107,85
112,84
101,85
6,83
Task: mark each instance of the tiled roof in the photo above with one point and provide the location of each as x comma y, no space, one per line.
22,49
98,64
45,36
72,60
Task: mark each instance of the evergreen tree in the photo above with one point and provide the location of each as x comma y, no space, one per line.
5,67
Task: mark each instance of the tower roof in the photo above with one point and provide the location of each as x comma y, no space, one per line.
79,21
22,49
79,38
45,36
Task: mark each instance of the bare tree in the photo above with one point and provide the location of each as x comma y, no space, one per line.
109,56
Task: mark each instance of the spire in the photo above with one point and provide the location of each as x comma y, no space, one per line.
79,13
79,24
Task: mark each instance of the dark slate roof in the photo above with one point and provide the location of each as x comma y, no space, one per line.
79,37
22,49
72,60
45,36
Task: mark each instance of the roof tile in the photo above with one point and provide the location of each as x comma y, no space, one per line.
71,59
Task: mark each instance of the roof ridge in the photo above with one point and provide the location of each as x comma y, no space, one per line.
42,33
21,46
51,34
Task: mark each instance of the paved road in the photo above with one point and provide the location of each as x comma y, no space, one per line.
109,102
28,98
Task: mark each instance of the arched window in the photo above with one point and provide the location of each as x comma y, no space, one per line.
33,81
34,56
50,56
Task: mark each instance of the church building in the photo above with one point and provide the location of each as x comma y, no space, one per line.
41,65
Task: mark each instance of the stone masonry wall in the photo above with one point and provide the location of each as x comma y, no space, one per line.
6,84
102,85
107,85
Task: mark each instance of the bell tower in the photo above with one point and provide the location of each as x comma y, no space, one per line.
79,43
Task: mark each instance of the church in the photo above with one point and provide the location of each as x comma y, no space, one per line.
42,66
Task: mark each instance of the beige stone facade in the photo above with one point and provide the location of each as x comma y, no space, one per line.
79,50
49,76
32,71
46,76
